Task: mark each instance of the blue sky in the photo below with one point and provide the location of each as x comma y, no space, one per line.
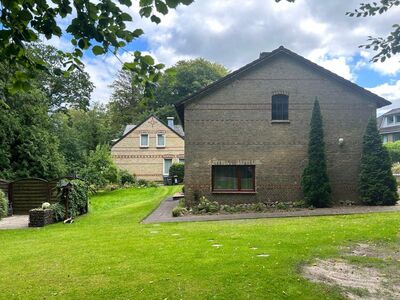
234,32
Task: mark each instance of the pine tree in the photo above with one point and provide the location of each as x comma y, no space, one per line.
377,185
315,181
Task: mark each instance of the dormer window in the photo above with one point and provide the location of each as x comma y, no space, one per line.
160,139
280,107
144,140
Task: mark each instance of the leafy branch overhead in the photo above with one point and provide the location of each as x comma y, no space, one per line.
100,26
385,47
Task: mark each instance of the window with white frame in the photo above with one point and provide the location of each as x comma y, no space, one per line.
167,164
181,160
161,139
144,140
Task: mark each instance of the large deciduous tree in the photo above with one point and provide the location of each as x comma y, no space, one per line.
27,147
63,90
377,185
129,105
315,181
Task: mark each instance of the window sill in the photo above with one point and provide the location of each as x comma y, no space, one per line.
144,147
235,192
160,147
280,121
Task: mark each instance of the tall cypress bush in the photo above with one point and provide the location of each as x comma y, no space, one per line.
377,185
315,181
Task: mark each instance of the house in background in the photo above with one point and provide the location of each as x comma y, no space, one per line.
150,148
247,134
389,125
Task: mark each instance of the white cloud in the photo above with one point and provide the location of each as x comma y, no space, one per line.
389,91
235,32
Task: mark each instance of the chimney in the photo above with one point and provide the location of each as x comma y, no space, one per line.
171,122
263,54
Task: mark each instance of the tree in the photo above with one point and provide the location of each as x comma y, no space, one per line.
79,132
129,105
377,185
99,168
97,25
126,101
385,47
64,90
315,181
28,149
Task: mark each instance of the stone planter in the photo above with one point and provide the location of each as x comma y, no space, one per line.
40,217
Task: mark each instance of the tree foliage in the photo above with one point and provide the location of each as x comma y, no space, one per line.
315,181
377,185
99,168
27,147
394,151
129,105
178,170
97,25
63,89
384,47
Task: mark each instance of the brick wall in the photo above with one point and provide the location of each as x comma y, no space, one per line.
233,124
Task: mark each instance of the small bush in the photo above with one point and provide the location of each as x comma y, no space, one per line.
206,206
178,170
59,212
396,168
142,182
179,211
126,178
394,151
3,205
76,193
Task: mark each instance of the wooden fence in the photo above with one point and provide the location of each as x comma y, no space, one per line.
25,194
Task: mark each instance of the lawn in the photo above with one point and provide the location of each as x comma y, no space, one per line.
108,254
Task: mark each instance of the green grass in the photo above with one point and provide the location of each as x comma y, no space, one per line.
108,254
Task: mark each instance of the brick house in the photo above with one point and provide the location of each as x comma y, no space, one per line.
389,125
149,148
246,135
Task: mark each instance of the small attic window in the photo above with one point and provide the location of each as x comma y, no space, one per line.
280,107
144,140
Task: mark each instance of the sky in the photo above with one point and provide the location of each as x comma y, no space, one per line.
233,33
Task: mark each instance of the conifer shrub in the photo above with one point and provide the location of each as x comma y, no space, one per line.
377,185
315,181
178,170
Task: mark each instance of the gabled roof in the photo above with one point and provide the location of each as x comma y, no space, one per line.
138,125
264,57
128,128
392,112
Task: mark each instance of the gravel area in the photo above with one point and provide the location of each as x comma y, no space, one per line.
14,222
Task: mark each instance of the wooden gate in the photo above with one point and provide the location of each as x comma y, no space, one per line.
29,193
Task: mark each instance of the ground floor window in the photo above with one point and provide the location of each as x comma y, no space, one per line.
233,178
167,165
396,137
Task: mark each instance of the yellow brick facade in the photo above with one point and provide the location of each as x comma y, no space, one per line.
148,162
